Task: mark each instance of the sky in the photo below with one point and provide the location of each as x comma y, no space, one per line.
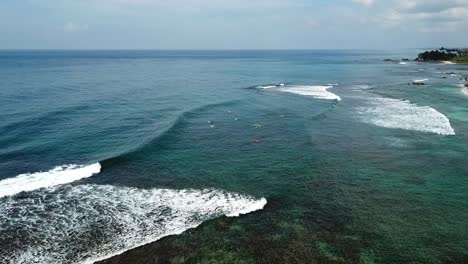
232,24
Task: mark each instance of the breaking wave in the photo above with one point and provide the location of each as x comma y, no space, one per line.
402,114
87,223
318,91
269,86
56,176
45,220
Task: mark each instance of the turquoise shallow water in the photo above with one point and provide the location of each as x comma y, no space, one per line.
163,141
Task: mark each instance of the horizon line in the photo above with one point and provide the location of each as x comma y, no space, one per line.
207,49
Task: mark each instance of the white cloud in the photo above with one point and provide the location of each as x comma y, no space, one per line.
422,15
429,6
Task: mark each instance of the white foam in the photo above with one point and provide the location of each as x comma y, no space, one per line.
87,223
269,86
464,89
320,92
420,81
56,176
402,114
402,63
266,86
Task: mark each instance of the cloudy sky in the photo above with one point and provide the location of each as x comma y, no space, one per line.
232,24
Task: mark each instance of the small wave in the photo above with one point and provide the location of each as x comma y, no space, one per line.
320,92
420,80
402,63
402,114
154,143
56,176
269,86
361,87
88,223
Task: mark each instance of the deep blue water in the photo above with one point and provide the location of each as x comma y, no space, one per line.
355,164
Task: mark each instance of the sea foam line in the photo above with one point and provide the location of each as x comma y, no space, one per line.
88,223
56,176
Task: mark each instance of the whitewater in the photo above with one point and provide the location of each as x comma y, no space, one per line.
56,176
402,114
69,217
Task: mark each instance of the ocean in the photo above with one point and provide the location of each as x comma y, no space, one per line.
320,156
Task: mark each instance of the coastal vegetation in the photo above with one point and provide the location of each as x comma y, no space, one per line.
444,54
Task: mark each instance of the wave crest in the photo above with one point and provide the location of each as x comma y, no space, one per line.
316,91
56,176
